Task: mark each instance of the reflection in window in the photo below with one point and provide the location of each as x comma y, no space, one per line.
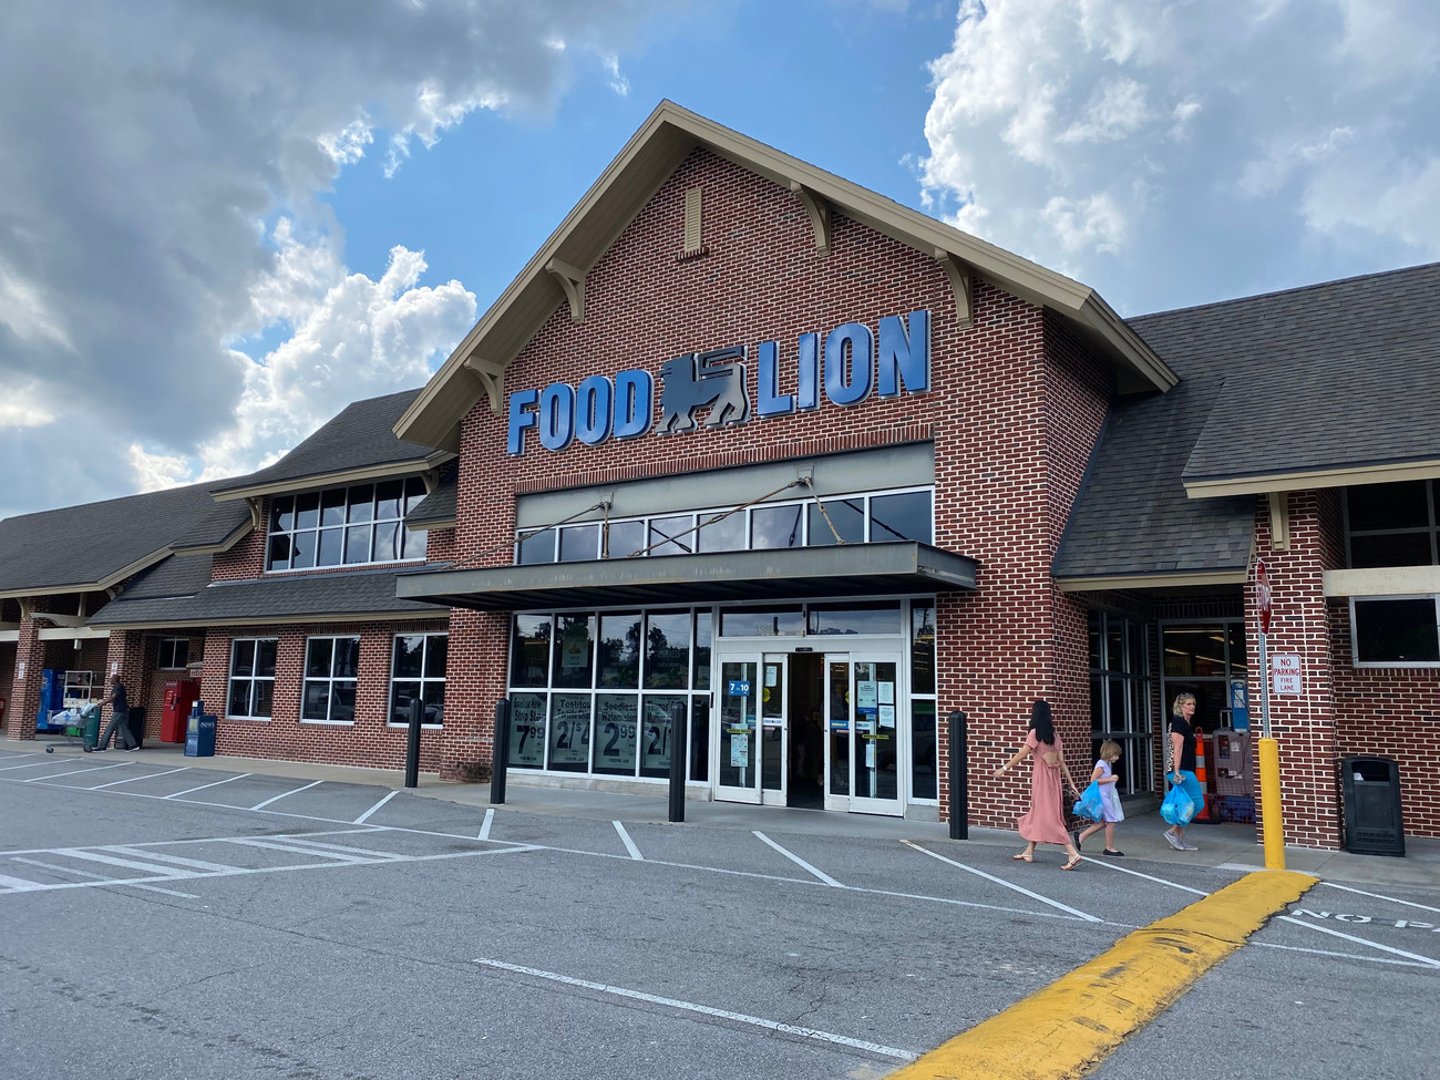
727,534
762,622
417,673
877,617
579,543
777,527
667,650
672,535
252,678
905,516
344,526
619,651
1397,631
841,521
1392,524
574,636
332,667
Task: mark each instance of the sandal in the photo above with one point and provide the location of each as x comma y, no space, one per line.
1073,863
1022,857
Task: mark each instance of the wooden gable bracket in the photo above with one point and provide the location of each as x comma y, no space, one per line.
962,284
1279,520
492,378
572,280
818,210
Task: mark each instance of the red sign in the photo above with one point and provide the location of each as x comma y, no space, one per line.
1262,595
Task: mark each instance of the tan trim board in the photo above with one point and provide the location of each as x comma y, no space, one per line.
9,635
1152,581
432,524
1383,581
331,479
71,633
1314,478
282,620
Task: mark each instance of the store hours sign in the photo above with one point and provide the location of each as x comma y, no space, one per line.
729,385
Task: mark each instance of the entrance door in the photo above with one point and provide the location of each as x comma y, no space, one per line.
862,752
754,742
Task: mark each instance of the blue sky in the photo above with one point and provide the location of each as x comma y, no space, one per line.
245,216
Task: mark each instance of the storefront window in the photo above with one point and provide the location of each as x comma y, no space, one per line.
906,516
1120,691
762,622
1391,524
620,651
777,527
573,659
922,647
840,521
878,617
570,732
363,523
924,776
667,650
616,731
530,650
1395,632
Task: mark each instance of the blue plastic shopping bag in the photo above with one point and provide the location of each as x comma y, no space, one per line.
1178,808
1091,803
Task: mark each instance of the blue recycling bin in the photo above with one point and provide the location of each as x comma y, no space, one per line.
200,735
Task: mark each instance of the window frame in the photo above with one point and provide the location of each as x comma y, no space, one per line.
1355,660
1430,530
352,514
330,680
422,679
174,665
253,679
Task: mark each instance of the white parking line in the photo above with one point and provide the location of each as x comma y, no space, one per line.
366,815
629,844
129,864
178,860
704,1010
826,878
202,787
1333,955
342,848
77,772
101,879
286,795
32,764
15,884
1377,896
485,828
132,779
1136,873
250,841
1426,960
1007,884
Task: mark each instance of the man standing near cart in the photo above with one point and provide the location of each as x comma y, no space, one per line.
119,724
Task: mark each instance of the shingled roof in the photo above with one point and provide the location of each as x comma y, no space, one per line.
1310,387
96,545
282,598
358,443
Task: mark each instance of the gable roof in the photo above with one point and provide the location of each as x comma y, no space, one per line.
1324,386
97,545
664,141
356,444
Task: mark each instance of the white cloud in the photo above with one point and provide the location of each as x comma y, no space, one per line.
135,255
1173,152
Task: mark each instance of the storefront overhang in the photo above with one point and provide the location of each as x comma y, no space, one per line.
721,577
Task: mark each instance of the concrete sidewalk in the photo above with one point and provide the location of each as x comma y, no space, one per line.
1225,846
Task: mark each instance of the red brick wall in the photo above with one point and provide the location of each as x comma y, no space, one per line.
369,742
1303,727
1007,461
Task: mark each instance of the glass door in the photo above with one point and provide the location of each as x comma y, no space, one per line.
774,729
862,747
738,769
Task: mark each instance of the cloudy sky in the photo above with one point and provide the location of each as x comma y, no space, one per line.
221,221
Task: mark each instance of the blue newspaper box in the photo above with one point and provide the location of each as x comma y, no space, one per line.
200,735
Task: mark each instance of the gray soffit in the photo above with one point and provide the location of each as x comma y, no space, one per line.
359,439
720,577
1339,376
97,545
1133,515
277,599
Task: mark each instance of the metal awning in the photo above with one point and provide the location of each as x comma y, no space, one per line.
719,577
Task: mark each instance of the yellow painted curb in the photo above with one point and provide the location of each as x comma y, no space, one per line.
1083,1017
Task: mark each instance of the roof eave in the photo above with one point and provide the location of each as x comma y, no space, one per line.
336,478
1312,479
646,161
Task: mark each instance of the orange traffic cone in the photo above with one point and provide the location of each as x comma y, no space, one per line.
1204,816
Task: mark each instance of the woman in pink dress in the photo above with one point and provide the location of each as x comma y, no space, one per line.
1045,821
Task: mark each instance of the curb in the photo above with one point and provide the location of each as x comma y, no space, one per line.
1084,1016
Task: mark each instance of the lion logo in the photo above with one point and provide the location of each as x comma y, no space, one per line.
695,380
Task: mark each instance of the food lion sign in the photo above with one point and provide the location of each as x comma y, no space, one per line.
853,363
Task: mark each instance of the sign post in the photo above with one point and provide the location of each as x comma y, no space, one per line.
1272,823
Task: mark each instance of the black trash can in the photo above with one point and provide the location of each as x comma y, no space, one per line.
1371,788
136,724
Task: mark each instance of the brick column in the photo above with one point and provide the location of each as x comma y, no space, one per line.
25,690
1303,727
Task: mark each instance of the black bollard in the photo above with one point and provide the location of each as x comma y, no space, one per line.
678,758
501,744
959,778
412,743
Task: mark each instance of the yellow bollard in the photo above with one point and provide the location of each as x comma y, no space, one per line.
1272,822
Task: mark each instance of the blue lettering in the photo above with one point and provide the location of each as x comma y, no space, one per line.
634,403
592,410
904,357
557,416
861,343
807,370
768,399
522,416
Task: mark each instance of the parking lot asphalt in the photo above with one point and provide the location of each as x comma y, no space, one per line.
1226,847
300,818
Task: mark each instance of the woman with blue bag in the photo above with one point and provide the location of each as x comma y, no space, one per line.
1182,774
1104,779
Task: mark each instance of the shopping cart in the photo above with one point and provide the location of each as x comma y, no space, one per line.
74,724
